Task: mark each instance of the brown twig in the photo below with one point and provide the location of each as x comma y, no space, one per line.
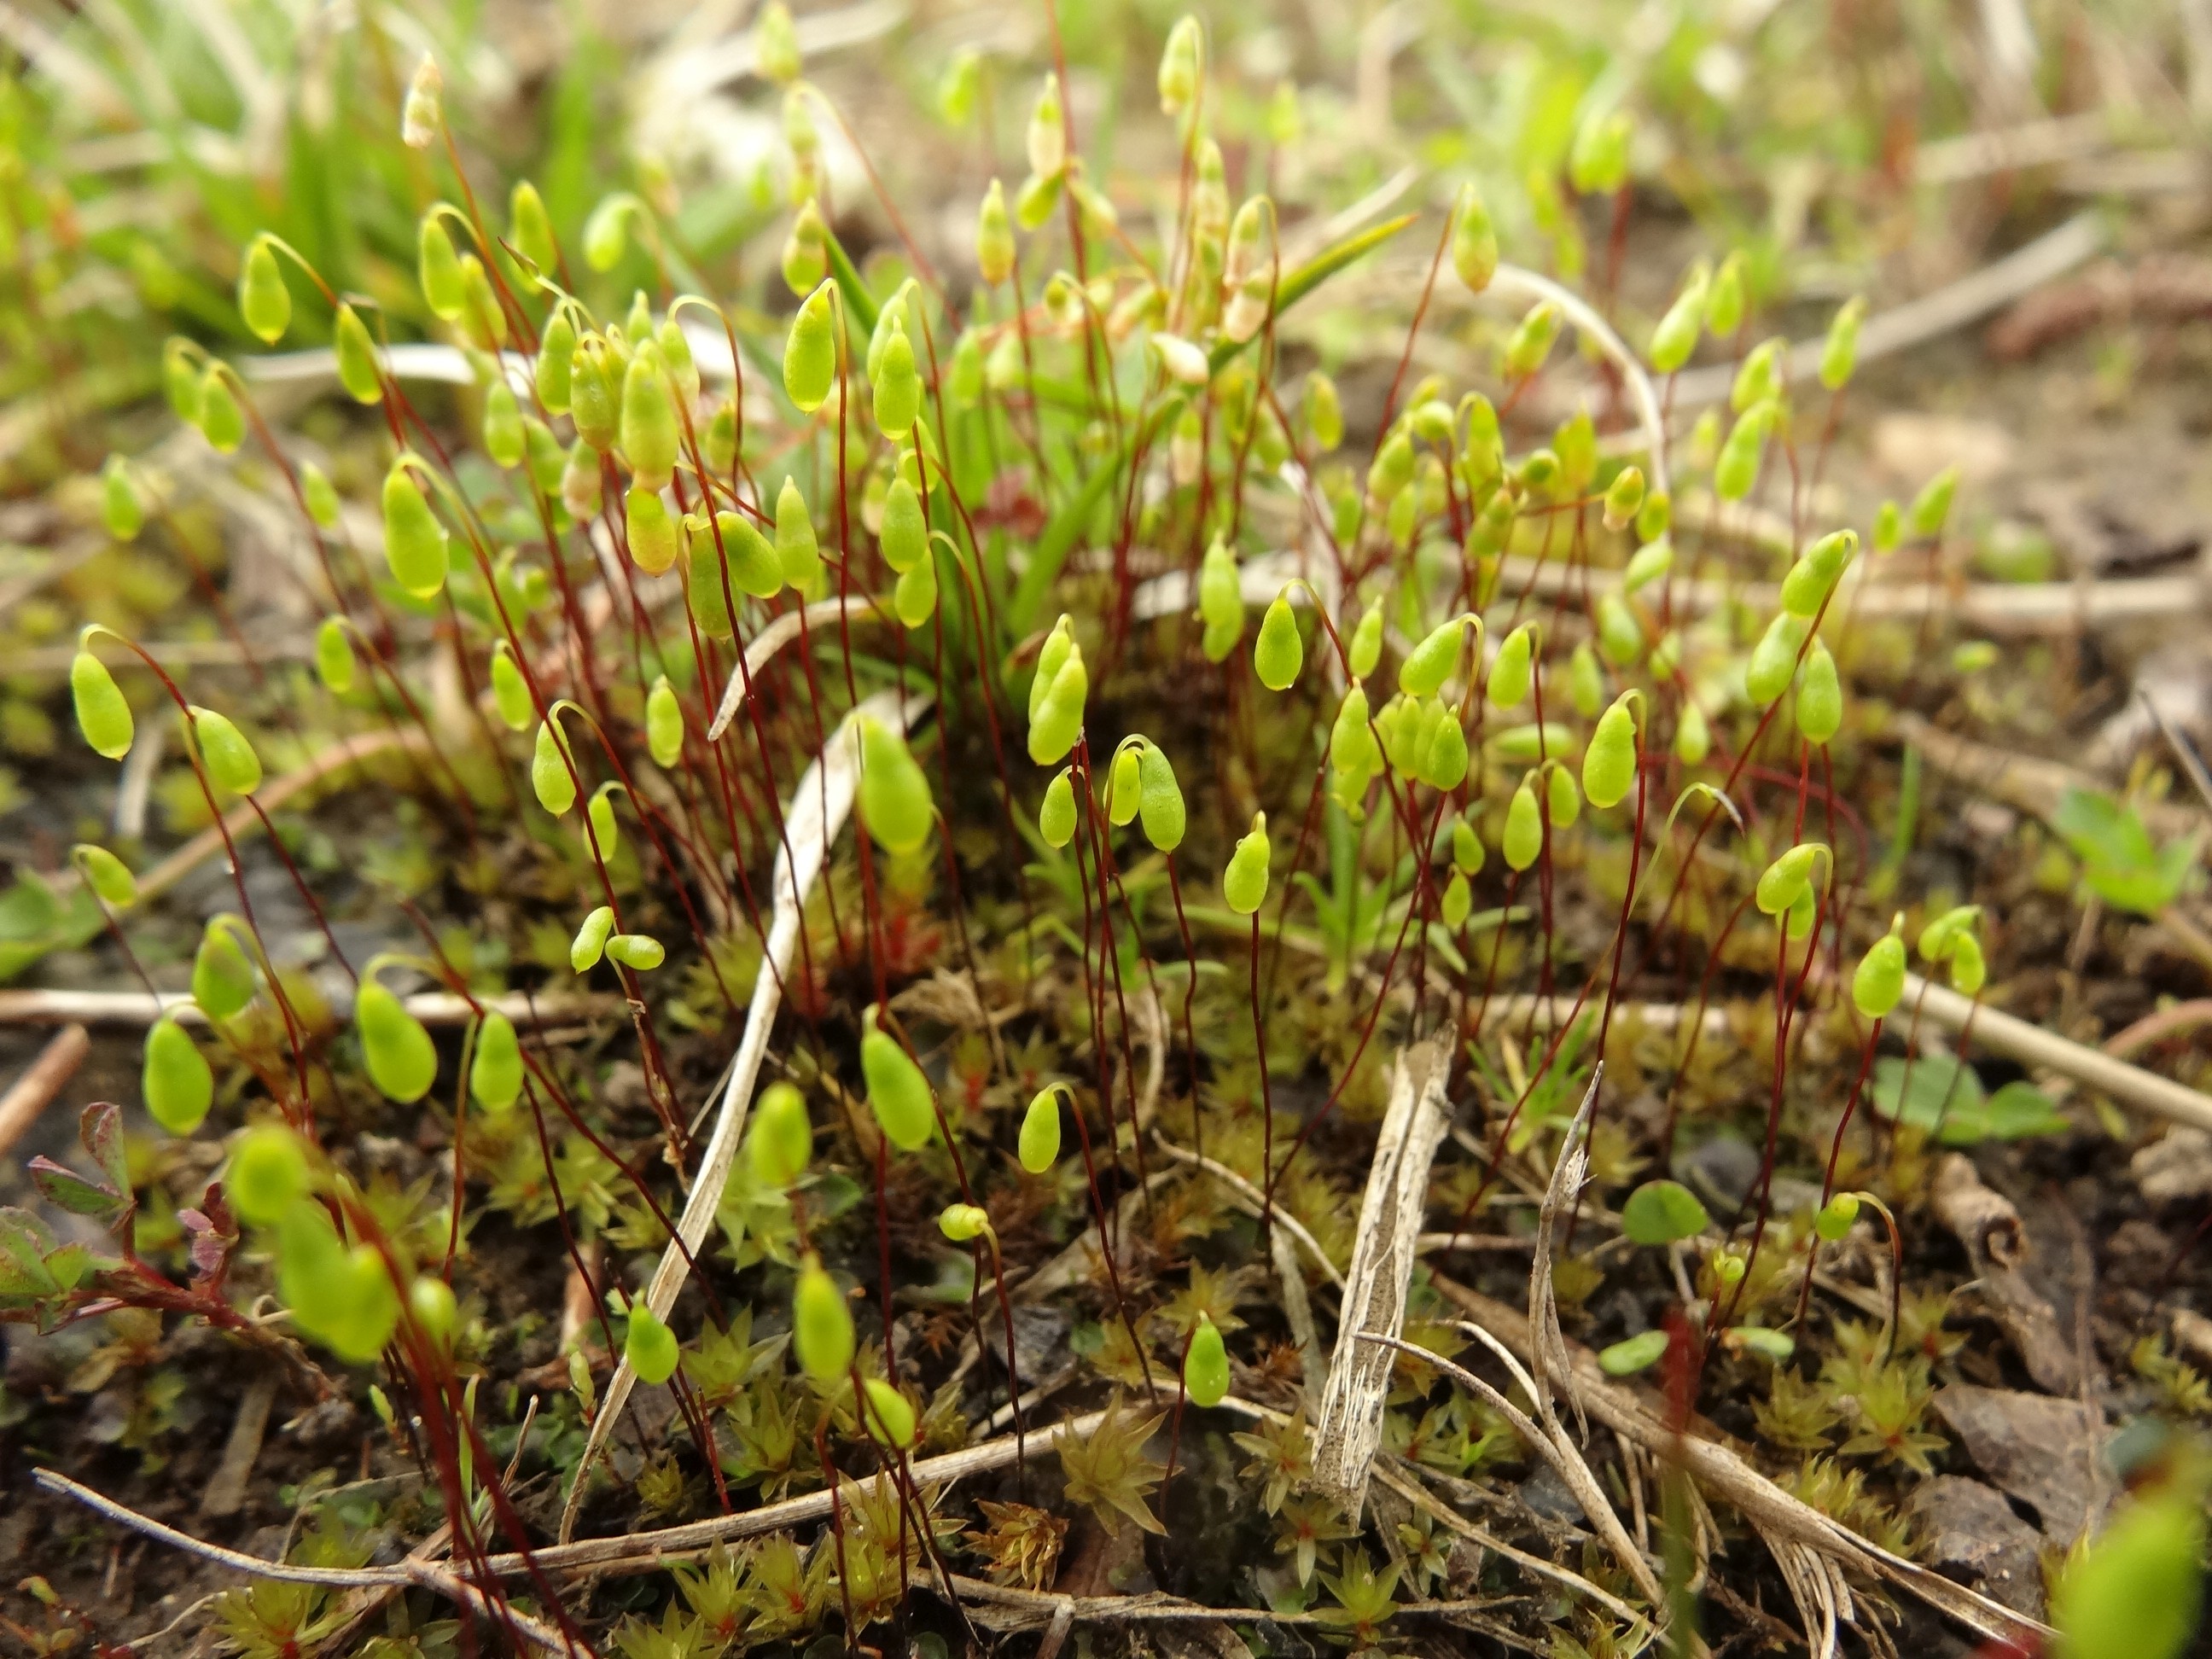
42,1079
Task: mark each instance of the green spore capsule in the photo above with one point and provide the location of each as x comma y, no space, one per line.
593,404
1833,1219
1351,740
550,779
102,714
1122,788
1058,719
268,1171
1523,842
590,941
1392,468
504,440
557,352
1565,800
1468,855
1774,660
1039,1145
223,423
263,300
1510,675
482,320
1786,877
1430,664
1531,342
1278,653
1878,982
779,1145
599,813
1056,816
415,543
821,1324
641,951
530,228
649,529
1969,971
1458,899
1693,738
1159,798
1624,497
898,1093
663,724
120,513
1736,470
1323,411
1797,920
106,875
402,1060
1647,565
647,428
580,482
1205,1366
896,803
355,349
1444,756
649,1346
1820,696
431,1301
1474,242
809,353
334,663
1840,352
1585,681
222,975
1724,304
180,380
795,545
1244,882
897,387
1760,376
1676,336
961,1224
890,1416
1805,589
510,692
1655,517
1365,649
320,495
439,268
905,534
1220,601
178,1085
224,751
805,258
1619,635
1609,763
495,1067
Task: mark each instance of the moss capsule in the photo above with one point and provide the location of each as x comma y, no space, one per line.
1523,842
890,1416
1220,601
905,534
102,714
439,268
1468,855
175,1078
1609,763
809,353
1159,798
1430,663
263,300
663,724
590,943
897,387
640,951
1878,982
268,1171
649,1346
222,975
647,422
1805,589
415,543
496,1066
795,546
1058,720
779,1144
1278,653
1457,901
1474,242
1510,675
1039,1145
550,779
1205,1366
821,1324
334,663
222,423
224,751
649,529
402,1060
1774,660
510,692
898,1094
106,875
1820,696
895,800
1244,882
1056,816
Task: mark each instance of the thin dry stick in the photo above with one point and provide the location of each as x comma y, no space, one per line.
1348,1427
816,813
42,1079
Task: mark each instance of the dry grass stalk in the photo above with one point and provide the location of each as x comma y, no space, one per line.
1348,1429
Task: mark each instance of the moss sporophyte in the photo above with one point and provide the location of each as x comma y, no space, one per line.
764,888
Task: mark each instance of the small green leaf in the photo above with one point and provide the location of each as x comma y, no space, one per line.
1662,1212
1639,1353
